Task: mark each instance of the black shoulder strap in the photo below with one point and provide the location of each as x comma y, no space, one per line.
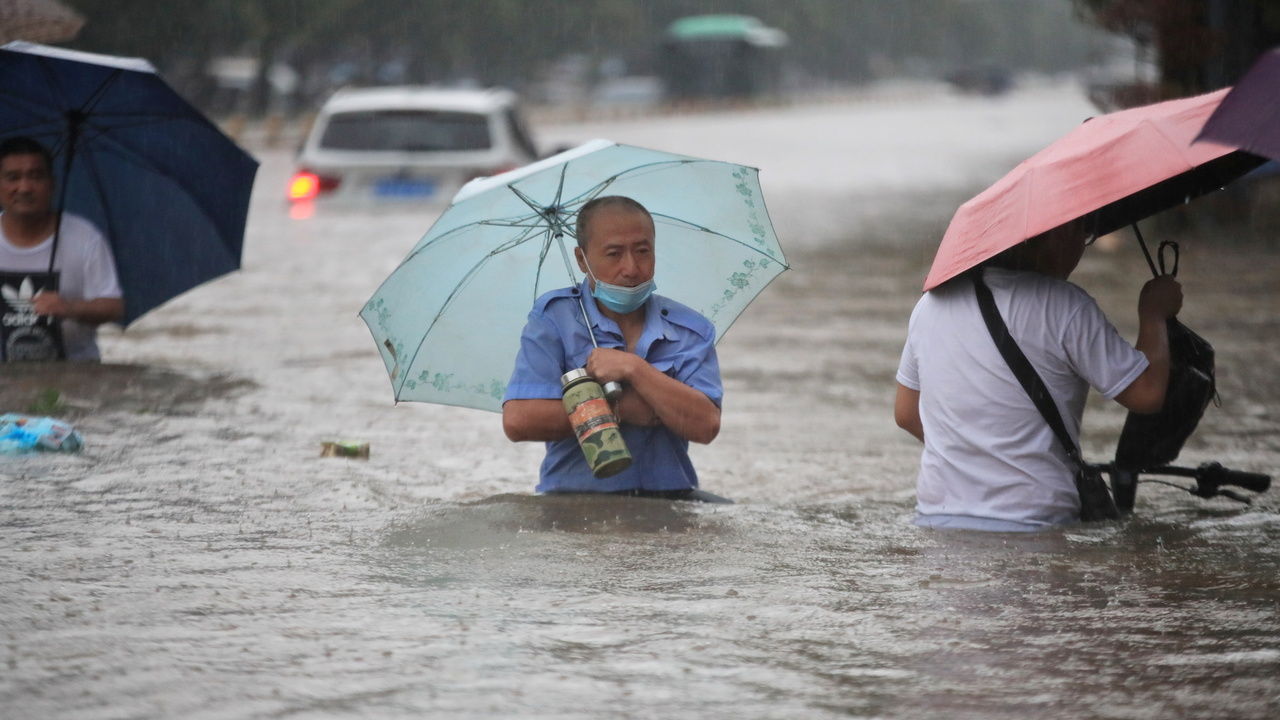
1021,367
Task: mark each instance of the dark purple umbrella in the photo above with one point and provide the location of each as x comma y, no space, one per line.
1249,116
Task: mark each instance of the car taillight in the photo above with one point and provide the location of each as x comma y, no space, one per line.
305,185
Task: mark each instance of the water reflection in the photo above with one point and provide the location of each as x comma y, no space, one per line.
1090,620
571,513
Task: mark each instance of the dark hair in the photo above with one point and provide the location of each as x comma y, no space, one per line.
1019,257
621,202
26,146
1029,254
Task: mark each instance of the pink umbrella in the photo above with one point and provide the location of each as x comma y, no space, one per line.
1116,168
1249,116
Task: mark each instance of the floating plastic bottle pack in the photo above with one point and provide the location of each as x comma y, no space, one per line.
24,433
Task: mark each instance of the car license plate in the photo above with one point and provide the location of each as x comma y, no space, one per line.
404,188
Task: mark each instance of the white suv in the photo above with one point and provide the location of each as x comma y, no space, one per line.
408,144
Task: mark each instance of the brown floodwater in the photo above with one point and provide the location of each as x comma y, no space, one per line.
200,559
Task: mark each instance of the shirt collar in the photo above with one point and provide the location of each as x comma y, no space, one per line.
598,319
656,324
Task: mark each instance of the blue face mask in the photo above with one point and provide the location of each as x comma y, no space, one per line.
622,299
618,298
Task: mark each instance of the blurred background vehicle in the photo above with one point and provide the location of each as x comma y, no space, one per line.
981,79
408,144
721,56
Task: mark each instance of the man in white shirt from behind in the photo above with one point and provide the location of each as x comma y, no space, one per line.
990,461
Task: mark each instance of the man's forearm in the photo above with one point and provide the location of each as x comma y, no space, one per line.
1153,341
96,311
684,410
1160,299
89,312
633,409
1146,393
535,420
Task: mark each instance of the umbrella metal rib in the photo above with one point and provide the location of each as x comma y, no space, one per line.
105,143
709,231
466,279
553,214
530,232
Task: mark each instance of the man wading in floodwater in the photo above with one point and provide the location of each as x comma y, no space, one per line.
662,352
990,460
49,311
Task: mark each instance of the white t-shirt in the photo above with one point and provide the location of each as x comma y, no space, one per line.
87,272
990,460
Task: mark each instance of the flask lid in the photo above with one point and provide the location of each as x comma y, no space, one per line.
574,374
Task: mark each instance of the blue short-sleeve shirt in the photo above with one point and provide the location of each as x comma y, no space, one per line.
676,340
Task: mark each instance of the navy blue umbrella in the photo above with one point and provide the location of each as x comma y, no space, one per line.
166,186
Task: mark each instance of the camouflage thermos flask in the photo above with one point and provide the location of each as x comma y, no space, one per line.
594,424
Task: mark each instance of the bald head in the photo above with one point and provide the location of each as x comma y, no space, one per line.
614,203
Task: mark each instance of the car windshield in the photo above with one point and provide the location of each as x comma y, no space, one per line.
407,131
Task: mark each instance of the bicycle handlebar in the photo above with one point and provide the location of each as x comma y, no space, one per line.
1214,475
1210,478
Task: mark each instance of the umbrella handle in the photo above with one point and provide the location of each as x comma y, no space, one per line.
612,390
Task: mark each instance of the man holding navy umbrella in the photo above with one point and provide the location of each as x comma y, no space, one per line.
58,279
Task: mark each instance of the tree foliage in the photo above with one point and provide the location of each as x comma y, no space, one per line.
1199,45
510,42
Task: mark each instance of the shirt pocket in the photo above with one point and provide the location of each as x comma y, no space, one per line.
668,365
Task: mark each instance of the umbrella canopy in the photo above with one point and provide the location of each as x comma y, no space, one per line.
1249,116
1116,168
166,187
448,320
38,21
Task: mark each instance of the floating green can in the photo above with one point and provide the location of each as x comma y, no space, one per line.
594,424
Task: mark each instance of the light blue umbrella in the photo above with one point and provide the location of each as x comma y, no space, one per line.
448,319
